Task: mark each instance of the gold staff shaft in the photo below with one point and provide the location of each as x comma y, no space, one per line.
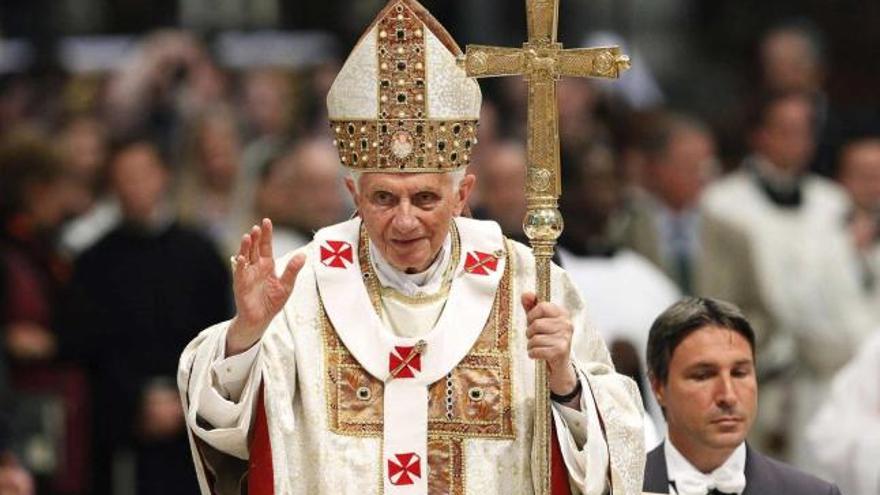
541,61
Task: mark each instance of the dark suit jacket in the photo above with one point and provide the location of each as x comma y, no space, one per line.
764,476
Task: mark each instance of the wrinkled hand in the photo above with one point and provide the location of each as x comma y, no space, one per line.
549,335
259,292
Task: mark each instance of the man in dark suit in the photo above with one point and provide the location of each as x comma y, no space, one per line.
701,360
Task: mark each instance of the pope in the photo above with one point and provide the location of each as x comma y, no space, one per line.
393,354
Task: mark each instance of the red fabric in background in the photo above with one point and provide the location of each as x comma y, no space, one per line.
261,478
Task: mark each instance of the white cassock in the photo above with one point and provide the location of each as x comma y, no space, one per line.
352,406
625,293
808,275
845,434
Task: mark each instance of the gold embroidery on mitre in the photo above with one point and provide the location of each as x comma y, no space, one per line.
487,368
404,136
405,145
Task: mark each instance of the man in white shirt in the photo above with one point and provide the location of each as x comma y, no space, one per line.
701,359
394,354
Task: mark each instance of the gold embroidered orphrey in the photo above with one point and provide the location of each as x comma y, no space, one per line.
542,61
475,400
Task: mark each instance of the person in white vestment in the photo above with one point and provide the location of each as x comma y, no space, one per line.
395,353
858,171
845,434
805,264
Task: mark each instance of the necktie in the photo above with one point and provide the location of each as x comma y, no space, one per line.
681,253
715,491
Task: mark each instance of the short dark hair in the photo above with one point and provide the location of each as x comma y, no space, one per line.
684,318
659,132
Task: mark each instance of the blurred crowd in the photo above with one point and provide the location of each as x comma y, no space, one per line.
123,191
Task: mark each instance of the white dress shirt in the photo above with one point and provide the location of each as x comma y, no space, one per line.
685,479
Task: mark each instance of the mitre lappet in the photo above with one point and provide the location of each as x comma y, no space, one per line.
401,103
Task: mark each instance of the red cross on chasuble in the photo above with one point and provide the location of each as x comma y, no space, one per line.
478,263
404,468
407,360
337,254
261,479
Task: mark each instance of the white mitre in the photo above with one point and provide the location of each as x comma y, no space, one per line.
401,103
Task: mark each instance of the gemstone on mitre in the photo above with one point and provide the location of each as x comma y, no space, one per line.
401,144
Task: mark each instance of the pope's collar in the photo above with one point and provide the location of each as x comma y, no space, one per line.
426,282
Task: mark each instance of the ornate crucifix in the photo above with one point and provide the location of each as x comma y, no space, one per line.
542,61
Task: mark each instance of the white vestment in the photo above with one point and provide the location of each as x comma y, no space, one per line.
845,434
807,272
325,366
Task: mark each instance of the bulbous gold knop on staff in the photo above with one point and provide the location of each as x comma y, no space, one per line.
541,62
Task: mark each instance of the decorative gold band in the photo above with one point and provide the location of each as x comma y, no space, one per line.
411,145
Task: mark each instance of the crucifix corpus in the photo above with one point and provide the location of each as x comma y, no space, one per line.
541,62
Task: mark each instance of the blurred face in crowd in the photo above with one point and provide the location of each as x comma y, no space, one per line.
680,174
34,184
218,150
407,215
860,173
139,180
600,185
50,203
711,393
790,62
785,137
502,182
591,196
576,99
84,151
84,147
266,97
303,189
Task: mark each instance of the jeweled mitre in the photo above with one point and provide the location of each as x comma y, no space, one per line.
401,103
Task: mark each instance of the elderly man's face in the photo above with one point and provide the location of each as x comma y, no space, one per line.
711,394
407,216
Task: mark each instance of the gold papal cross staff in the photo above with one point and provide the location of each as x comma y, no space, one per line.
541,61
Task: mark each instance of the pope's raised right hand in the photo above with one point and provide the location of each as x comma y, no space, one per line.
259,292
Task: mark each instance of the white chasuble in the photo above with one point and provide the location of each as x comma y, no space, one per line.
354,408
